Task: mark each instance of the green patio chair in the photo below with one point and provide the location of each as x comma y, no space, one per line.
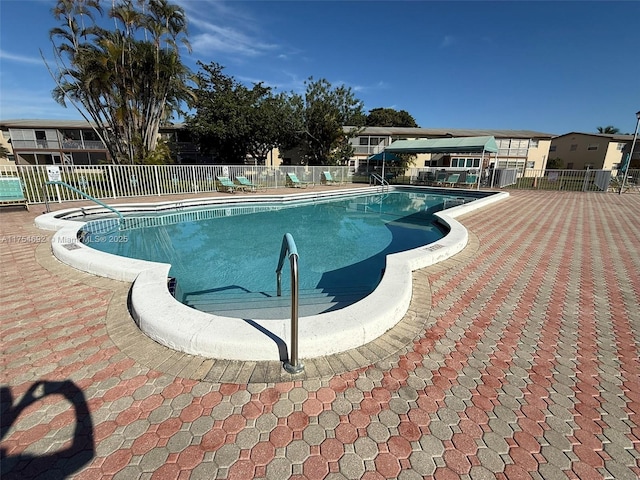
425,178
327,179
11,192
226,185
441,178
452,179
292,181
248,184
470,180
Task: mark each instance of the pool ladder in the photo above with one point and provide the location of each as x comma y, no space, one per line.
375,178
289,247
79,192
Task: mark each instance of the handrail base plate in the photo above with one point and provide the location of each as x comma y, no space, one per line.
293,369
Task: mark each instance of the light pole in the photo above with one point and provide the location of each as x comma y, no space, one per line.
633,144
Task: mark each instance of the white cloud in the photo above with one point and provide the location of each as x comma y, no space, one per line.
226,40
217,27
381,85
21,58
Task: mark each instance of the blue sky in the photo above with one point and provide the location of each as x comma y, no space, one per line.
553,67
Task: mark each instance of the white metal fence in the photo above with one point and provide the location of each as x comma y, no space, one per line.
121,181
529,179
569,180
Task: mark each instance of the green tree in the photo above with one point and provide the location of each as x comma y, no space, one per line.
555,164
609,129
326,110
4,152
275,122
388,117
233,121
125,85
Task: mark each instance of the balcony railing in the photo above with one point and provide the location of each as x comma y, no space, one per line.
36,144
83,145
367,149
55,145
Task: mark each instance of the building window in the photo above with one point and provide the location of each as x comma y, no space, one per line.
573,147
592,146
364,141
512,163
465,162
620,146
570,166
533,143
552,148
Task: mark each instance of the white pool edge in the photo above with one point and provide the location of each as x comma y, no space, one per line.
182,328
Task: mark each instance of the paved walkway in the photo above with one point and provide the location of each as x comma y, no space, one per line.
517,359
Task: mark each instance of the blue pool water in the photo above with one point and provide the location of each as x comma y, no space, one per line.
231,259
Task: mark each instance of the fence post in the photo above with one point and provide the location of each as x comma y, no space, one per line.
113,187
155,174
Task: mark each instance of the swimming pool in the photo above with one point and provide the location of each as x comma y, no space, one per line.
175,325
224,258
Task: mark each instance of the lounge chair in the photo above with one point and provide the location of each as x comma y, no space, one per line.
226,185
470,180
440,179
452,179
11,192
327,179
425,178
292,181
248,184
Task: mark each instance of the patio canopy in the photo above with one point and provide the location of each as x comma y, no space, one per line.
445,145
387,156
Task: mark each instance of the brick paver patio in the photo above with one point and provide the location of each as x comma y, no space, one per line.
525,365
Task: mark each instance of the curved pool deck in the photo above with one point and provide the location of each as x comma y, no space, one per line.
182,328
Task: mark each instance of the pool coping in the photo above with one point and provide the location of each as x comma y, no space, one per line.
182,328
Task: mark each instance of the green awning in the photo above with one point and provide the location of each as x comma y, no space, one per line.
386,156
445,145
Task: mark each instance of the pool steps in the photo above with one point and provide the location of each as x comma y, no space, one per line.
267,305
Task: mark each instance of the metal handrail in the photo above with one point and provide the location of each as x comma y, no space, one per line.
79,192
289,246
382,181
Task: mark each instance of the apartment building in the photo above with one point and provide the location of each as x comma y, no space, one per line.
74,142
521,149
581,151
53,142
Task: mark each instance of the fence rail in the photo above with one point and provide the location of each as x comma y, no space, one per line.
529,179
122,181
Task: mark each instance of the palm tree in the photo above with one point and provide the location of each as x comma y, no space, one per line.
609,129
127,86
4,152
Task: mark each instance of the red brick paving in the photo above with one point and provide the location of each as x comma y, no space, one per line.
528,368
